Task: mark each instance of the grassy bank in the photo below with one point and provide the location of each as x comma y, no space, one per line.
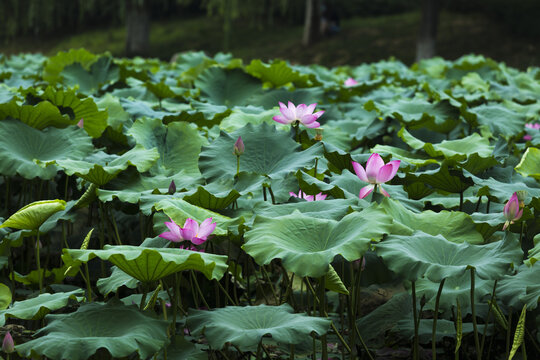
360,40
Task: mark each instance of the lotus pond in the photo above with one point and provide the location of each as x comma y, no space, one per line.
207,208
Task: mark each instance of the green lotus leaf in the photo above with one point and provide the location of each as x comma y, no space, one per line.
21,144
101,72
530,163
270,99
268,153
334,209
141,109
117,118
181,349
307,245
200,113
406,157
117,279
487,224
160,89
423,255
151,264
338,159
179,210
214,196
5,296
100,168
178,144
55,64
242,116
121,330
227,87
32,216
455,288
312,186
443,178
454,226
472,82
333,282
245,326
534,253
520,288
36,308
500,119
38,116
457,150
445,329
503,183
417,113
95,121
277,73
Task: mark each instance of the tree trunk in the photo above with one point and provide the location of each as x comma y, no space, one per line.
137,27
425,46
312,22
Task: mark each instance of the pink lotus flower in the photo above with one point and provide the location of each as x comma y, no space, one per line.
191,232
301,195
535,126
8,346
376,174
195,233
298,114
81,123
238,148
512,211
350,82
174,234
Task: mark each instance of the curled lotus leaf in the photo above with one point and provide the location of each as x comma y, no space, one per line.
245,326
36,308
515,290
151,264
423,255
32,216
121,330
307,245
530,163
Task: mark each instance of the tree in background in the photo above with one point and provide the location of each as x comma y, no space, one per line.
137,27
312,22
425,45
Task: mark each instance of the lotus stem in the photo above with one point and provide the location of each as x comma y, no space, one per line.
415,318
143,298
237,165
487,206
88,286
315,170
322,312
521,233
113,220
460,200
226,293
259,350
478,203
435,316
175,304
6,204
291,356
508,331
487,318
473,313
296,128
264,192
199,289
38,261
272,195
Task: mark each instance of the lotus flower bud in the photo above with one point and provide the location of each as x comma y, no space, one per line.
81,123
172,188
8,346
238,147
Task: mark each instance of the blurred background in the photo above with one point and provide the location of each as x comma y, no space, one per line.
327,32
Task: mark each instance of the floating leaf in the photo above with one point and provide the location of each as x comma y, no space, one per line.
151,264
31,216
121,330
307,245
245,326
